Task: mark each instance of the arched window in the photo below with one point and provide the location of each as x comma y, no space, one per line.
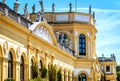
10,65
22,69
82,45
31,66
82,77
40,66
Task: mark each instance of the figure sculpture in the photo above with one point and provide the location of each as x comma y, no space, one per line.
70,7
26,12
53,7
42,6
33,8
16,6
3,1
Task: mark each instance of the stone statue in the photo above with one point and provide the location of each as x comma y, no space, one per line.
94,15
70,44
16,6
53,7
42,6
26,12
3,1
33,8
66,41
57,35
70,6
38,17
62,38
90,9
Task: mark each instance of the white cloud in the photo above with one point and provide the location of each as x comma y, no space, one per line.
108,25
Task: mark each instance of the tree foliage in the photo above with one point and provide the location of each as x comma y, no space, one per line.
35,70
9,79
36,79
44,72
52,73
59,75
118,72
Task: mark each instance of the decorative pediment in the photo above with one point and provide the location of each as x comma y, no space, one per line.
44,31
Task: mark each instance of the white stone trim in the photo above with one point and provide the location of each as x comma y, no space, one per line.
77,70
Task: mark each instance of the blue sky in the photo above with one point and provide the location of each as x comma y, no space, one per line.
107,16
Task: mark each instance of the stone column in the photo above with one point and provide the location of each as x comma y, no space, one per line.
26,71
4,68
17,70
1,68
62,75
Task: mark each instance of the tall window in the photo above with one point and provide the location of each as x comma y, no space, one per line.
10,65
82,45
31,65
107,68
22,69
82,77
40,66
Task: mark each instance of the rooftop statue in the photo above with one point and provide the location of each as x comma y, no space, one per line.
26,12
53,7
42,16
16,6
33,8
94,15
42,6
3,1
70,7
90,9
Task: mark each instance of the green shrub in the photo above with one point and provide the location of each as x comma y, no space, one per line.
35,71
44,72
36,79
59,75
9,79
52,73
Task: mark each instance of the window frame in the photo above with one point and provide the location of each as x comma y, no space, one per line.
82,44
10,65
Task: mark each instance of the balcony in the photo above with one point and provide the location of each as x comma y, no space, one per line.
70,17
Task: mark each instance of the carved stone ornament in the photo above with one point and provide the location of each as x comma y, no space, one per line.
76,33
18,52
5,47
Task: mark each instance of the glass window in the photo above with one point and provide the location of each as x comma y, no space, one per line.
40,66
82,77
107,68
10,65
31,65
82,45
22,69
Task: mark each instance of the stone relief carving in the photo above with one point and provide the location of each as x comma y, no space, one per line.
5,47
43,33
18,52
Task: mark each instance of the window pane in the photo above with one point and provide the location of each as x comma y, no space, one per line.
107,68
82,45
22,69
10,65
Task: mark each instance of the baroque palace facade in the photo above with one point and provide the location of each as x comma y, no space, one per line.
64,39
